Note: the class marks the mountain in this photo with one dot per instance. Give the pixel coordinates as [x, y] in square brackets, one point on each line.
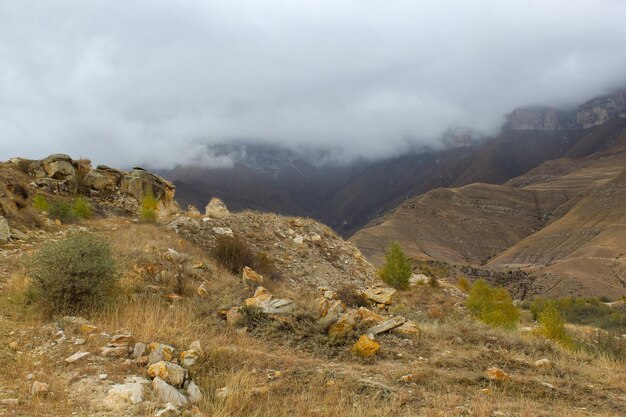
[563, 222]
[347, 197]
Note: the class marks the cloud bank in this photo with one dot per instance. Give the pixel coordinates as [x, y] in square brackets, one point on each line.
[154, 81]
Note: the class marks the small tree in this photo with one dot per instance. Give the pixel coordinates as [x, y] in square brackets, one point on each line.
[552, 325]
[73, 274]
[493, 306]
[148, 208]
[397, 268]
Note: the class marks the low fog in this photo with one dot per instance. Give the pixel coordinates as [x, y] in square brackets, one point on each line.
[154, 82]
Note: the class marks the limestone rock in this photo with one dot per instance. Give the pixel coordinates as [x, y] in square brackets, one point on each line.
[418, 279]
[170, 410]
[407, 329]
[193, 392]
[249, 274]
[386, 325]
[223, 231]
[542, 363]
[197, 347]
[140, 183]
[122, 395]
[189, 358]
[97, 180]
[193, 212]
[160, 352]
[380, 295]
[39, 389]
[59, 167]
[344, 325]
[167, 393]
[202, 290]
[138, 350]
[88, 329]
[365, 347]
[216, 208]
[266, 303]
[5, 230]
[77, 356]
[169, 372]
[368, 317]
[496, 374]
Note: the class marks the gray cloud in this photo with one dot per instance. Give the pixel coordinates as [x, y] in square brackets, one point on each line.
[154, 81]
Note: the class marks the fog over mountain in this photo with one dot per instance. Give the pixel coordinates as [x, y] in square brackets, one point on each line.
[155, 81]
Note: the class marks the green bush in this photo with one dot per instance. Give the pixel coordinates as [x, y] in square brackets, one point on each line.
[493, 306]
[62, 210]
[233, 254]
[552, 325]
[397, 268]
[41, 203]
[82, 208]
[587, 311]
[148, 208]
[72, 275]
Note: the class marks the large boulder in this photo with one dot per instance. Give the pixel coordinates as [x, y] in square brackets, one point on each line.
[216, 208]
[59, 166]
[98, 180]
[167, 393]
[140, 183]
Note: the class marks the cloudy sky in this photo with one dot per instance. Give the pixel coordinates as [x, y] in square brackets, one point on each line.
[153, 81]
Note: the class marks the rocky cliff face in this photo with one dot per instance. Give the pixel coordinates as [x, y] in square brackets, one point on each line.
[599, 110]
[535, 118]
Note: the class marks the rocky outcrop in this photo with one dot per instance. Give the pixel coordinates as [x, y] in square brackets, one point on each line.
[534, 118]
[599, 110]
[140, 183]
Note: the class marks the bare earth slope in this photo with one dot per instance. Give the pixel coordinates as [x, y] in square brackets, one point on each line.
[562, 222]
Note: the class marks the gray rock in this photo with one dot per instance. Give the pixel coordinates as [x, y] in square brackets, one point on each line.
[123, 395]
[194, 393]
[5, 230]
[167, 393]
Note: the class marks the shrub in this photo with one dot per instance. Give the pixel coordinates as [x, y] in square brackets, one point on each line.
[493, 306]
[73, 274]
[82, 208]
[464, 284]
[62, 210]
[351, 296]
[233, 254]
[41, 203]
[148, 208]
[397, 268]
[587, 311]
[551, 324]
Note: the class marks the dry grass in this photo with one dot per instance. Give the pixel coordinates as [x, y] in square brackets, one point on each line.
[448, 361]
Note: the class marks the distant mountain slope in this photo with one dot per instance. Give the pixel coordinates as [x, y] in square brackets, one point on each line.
[564, 221]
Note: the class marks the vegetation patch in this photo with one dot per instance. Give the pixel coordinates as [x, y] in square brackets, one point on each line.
[397, 268]
[491, 305]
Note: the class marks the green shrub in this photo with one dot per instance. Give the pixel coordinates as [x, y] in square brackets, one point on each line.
[148, 208]
[41, 203]
[587, 311]
[233, 254]
[552, 325]
[72, 275]
[397, 268]
[62, 210]
[493, 306]
[82, 208]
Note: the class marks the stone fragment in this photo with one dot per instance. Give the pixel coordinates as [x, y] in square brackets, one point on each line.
[542, 363]
[223, 231]
[380, 295]
[386, 325]
[160, 352]
[365, 347]
[167, 393]
[266, 303]
[197, 347]
[5, 230]
[344, 325]
[122, 395]
[103, 377]
[249, 274]
[193, 393]
[407, 329]
[114, 351]
[188, 358]
[496, 374]
[298, 239]
[202, 290]
[138, 350]
[14, 345]
[77, 356]
[39, 389]
[222, 393]
[170, 410]
[171, 373]
[418, 279]
[368, 317]
[216, 208]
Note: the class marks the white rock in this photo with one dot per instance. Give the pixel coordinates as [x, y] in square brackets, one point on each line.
[167, 393]
[102, 377]
[170, 410]
[222, 393]
[5, 230]
[216, 208]
[299, 239]
[39, 388]
[77, 356]
[123, 395]
[194, 393]
[79, 341]
[139, 350]
[223, 231]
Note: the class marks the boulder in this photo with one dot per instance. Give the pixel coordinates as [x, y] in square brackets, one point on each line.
[365, 347]
[407, 329]
[171, 373]
[216, 208]
[344, 325]
[138, 350]
[368, 317]
[96, 180]
[5, 230]
[266, 303]
[193, 392]
[380, 295]
[160, 352]
[59, 167]
[140, 183]
[122, 395]
[167, 393]
[251, 275]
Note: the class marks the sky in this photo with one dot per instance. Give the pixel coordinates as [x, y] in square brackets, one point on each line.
[154, 82]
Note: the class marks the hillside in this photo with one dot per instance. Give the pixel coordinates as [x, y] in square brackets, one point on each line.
[562, 222]
[315, 335]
